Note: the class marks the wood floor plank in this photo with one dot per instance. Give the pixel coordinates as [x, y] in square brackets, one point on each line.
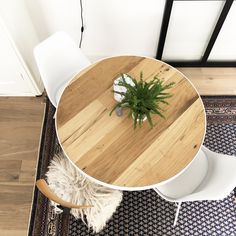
[15, 204]
[27, 171]
[18, 136]
[26, 155]
[10, 170]
[20, 126]
[212, 81]
[13, 232]
[16, 194]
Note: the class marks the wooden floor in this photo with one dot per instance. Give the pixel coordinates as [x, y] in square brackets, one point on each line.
[212, 81]
[20, 127]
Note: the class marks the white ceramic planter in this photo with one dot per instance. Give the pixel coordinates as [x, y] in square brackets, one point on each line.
[119, 88]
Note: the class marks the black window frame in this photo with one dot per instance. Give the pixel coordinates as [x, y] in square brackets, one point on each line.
[203, 62]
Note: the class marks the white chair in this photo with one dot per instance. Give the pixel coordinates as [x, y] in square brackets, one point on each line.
[211, 176]
[58, 59]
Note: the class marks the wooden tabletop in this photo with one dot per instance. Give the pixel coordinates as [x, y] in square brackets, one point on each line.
[107, 148]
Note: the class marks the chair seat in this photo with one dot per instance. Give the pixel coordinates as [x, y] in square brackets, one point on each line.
[186, 182]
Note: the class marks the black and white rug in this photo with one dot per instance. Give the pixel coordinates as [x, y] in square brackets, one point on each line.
[144, 212]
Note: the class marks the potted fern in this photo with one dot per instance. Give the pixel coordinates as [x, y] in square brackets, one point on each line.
[143, 98]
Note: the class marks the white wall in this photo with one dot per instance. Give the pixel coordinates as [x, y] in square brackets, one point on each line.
[111, 26]
[115, 27]
[132, 26]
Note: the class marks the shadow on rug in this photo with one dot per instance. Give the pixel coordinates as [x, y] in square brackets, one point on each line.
[144, 212]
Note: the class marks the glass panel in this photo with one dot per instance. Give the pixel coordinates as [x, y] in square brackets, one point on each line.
[190, 28]
[225, 45]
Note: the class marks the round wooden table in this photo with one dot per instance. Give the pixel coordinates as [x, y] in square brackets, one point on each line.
[107, 148]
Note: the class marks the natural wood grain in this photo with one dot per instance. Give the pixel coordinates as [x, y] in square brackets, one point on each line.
[15, 206]
[20, 125]
[145, 165]
[108, 148]
[212, 81]
[14, 232]
[27, 171]
[98, 82]
[9, 170]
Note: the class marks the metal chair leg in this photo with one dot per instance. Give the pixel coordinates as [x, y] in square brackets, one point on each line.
[177, 213]
[65, 210]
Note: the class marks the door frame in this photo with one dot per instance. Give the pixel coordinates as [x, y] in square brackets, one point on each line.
[36, 88]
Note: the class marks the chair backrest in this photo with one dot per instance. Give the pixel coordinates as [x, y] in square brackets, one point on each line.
[44, 189]
[58, 59]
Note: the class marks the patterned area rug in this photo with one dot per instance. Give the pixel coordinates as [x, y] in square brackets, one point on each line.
[144, 212]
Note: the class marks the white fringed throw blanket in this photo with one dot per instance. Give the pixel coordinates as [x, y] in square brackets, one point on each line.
[70, 185]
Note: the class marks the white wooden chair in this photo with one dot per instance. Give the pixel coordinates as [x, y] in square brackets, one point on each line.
[211, 176]
[58, 59]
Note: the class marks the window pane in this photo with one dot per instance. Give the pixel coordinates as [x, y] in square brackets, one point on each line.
[225, 45]
[190, 28]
